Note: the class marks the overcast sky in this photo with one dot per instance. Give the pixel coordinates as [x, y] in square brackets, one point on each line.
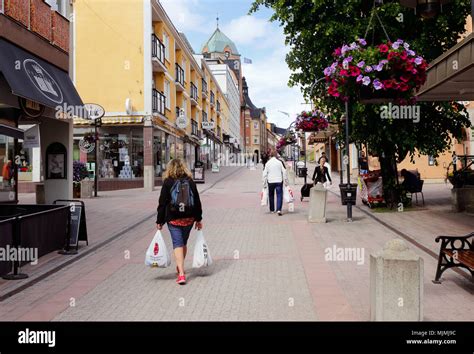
[256, 38]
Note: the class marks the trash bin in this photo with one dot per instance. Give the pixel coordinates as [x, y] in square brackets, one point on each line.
[348, 194]
[302, 172]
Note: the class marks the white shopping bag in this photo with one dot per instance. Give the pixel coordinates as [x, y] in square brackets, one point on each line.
[288, 194]
[291, 207]
[157, 254]
[264, 197]
[202, 257]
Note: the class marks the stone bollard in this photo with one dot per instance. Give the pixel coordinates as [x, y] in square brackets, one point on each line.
[291, 177]
[317, 204]
[87, 188]
[396, 283]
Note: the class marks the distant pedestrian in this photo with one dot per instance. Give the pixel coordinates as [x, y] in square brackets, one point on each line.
[179, 207]
[274, 175]
[321, 173]
[7, 172]
[264, 159]
[363, 164]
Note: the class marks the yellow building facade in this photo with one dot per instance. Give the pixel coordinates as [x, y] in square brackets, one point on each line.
[130, 59]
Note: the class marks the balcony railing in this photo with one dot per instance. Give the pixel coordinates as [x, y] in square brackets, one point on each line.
[204, 87]
[194, 128]
[194, 92]
[157, 48]
[179, 75]
[213, 98]
[158, 102]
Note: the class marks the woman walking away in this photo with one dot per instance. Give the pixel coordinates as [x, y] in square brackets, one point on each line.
[275, 175]
[179, 207]
[321, 172]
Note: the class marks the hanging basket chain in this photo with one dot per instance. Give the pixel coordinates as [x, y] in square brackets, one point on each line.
[374, 12]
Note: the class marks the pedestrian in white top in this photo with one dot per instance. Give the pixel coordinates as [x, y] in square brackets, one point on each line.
[274, 175]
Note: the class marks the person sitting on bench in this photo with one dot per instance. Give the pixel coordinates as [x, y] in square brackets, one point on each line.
[410, 180]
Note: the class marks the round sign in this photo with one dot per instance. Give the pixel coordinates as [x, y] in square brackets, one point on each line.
[94, 111]
[181, 122]
[11, 196]
[43, 81]
[85, 146]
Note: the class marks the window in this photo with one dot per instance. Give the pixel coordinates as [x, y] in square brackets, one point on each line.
[168, 94]
[255, 140]
[255, 125]
[185, 107]
[183, 62]
[166, 42]
[247, 140]
[431, 160]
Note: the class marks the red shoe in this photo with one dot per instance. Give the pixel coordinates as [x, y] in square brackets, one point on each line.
[181, 280]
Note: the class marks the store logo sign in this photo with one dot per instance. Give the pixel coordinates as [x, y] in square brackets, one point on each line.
[94, 111]
[43, 81]
[86, 146]
[208, 125]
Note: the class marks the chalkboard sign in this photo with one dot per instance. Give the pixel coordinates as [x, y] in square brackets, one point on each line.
[78, 221]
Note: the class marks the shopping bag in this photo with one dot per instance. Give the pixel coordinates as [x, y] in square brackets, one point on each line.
[291, 207]
[202, 257]
[264, 197]
[288, 195]
[157, 254]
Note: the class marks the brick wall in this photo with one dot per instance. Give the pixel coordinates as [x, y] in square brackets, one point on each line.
[18, 10]
[60, 31]
[37, 16]
[40, 18]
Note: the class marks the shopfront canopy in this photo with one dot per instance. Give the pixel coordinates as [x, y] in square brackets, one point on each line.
[35, 79]
[11, 132]
[451, 76]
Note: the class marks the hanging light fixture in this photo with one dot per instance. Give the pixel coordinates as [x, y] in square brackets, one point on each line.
[426, 8]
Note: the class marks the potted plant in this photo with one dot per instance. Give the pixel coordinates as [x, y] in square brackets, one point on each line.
[312, 121]
[385, 72]
[79, 173]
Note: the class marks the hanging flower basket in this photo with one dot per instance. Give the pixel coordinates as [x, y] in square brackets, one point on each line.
[288, 139]
[89, 137]
[387, 72]
[312, 121]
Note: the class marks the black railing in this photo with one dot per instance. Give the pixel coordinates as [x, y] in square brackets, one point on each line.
[157, 48]
[179, 75]
[158, 102]
[194, 128]
[213, 97]
[194, 92]
[204, 86]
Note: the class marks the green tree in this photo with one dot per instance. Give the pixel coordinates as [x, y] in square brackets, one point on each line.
[315, 28]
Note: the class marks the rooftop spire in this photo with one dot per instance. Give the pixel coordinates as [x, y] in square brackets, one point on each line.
[217, 19]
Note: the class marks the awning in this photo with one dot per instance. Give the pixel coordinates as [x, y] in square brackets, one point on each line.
[12, 132]
[451, 76]
[35, 79]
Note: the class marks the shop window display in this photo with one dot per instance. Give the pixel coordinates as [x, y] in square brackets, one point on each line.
[7, 178]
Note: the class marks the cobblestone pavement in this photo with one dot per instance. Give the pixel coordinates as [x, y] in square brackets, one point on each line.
[266, 268]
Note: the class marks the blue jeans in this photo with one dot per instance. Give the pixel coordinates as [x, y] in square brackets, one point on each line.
[179, 235]
[278, 187]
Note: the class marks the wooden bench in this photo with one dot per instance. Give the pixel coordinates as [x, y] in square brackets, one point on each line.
[455, 251]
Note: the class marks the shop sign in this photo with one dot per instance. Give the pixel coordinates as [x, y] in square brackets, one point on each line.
[32, 138]
[43, 81]
[85, 146]
[208, 125]
[94, 111]
[30, 108]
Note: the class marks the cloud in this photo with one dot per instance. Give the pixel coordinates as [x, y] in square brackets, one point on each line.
[184, 16]
[247, 30]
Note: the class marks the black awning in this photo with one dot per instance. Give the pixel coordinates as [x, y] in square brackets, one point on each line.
[12, 132]
[35, 79]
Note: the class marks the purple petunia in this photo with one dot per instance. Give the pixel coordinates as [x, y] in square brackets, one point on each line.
[360, 64]
[328, 71]
[359, 78]
[345, 48]
[378, 67]
[418, 60]
[411, 52]
[362, 41]
[368, 69]
[366, 80]
[377, 84]
[396, 45]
